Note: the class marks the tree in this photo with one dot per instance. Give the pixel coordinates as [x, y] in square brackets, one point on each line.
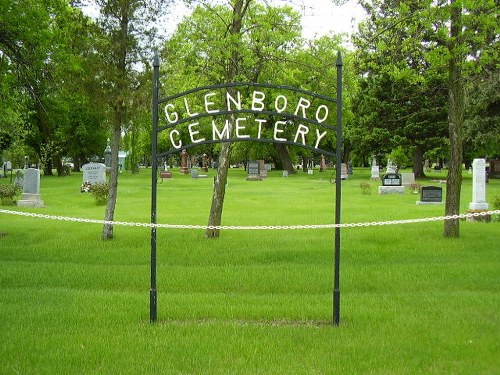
[401, 101]
[453, 39]
[217, 44]
[126, 24]
[46, 60]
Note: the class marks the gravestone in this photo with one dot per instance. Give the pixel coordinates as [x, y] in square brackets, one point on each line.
[344, 172]
[478, 185]
[431, 195]
[262, 169]
[391, 168]
[31, 189]
[391, 184]
[407, 179]
[19, 181]
[253, 171]
[196, 174]
[7, 166]
[322, 164]
[184, 162]
[204, 163]
[375, 170]
[494, 169]
[391, 179]
[426, 165]
[94, 173]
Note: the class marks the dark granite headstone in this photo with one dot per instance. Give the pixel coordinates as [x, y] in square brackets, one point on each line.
[431, 194]
[391, 179]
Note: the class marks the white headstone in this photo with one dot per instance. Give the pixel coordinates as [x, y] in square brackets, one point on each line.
[344, 172]
[391, 168]
[95, 173]
[478, 185]
[375, 172]
[408, 178]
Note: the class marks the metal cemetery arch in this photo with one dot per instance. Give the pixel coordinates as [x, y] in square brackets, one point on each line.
[173, 118]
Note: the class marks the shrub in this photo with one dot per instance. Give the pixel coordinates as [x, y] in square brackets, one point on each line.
[366, 188]
[8, 193]
[495, 205]
[100, 192]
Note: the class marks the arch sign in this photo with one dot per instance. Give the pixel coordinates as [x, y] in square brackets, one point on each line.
[238, 112]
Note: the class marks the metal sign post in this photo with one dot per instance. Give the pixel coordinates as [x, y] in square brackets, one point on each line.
[296, 117]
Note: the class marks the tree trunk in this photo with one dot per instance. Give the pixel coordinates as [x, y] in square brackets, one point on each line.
[239, 9]
[119, 116]
[456, 121]
[215, 217]
[285, 158]
[107, 231]
[418, 162]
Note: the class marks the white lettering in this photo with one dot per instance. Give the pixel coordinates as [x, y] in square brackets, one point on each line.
[302, 104]
[322, 119]
[193, 132]
[260, 121]
[208, 104]
[302, 130]
[188, 111]
[276, 105]
[240, 127]
[175, 116]
[176, 145]
[236, 102]
[320, 136]
[258, 101]
[224, 134]
[277, 130]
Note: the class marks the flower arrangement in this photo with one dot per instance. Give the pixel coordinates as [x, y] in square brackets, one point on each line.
[85, 188]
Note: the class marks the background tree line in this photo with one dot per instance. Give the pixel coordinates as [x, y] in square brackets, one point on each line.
[421, 78]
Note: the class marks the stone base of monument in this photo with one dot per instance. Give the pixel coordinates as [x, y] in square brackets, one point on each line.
[425, 203]
[30, 200]
[482, 218]
[254, 177]
[391, 190]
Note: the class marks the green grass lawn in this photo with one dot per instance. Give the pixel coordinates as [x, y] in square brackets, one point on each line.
[249, 302]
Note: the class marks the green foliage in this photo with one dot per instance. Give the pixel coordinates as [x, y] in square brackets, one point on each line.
[100, 192]
[495, 205]
[8, 193]
[401, 157]
[366, 188]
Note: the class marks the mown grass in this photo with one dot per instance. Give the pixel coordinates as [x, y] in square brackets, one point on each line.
[250, 302]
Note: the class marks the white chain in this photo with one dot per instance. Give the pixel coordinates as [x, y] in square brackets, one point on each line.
[248, 227]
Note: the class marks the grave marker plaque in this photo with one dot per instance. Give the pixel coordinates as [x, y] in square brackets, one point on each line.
[494, 169]
[431, 194]
[391, 179]
[253, 171]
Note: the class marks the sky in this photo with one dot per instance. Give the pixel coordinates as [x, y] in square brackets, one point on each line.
[319, 17]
